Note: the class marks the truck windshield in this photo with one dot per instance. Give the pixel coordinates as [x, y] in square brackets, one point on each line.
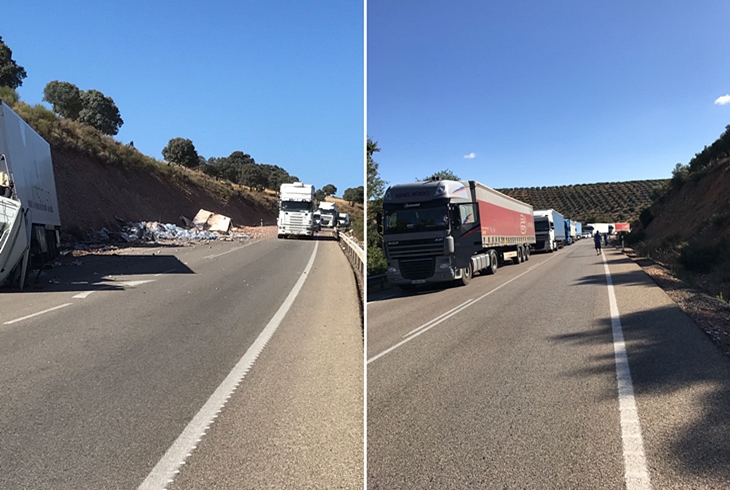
[296, 205]
[327, 211]
[542, 225]
[416, 219]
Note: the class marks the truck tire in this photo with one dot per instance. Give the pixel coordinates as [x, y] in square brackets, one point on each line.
[465, 276]
[492, 262]
[527, 253]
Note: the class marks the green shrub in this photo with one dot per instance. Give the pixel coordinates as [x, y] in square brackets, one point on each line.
[376, 261]
[700, 257]
[645, 217]
[718, 219]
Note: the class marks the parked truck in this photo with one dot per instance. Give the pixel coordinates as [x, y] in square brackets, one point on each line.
[578, 230]
[328, 210]
[29, 219]
[604, 228]
[343, 221]
[296, 210]
[440, 231]
[570, 231]
[549, 230]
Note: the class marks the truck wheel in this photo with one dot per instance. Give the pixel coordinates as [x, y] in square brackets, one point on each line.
[552, 247]
[527, 253]
[465, 276]
[492, 262]
[517, 259]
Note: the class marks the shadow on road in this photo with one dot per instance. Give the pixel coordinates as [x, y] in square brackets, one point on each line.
[99, 272]
[670, 356]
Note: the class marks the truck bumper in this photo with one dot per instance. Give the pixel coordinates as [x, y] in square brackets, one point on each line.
[402, 271]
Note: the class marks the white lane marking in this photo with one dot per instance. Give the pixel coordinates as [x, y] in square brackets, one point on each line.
[428, 326]
[437, 318]
[84, 295]
[135, 283]
[213, 256]
[166, 272]
[636, 473]
[36, 314]
[164, 471]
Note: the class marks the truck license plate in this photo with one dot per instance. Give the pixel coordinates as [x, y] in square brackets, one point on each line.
[418, 281]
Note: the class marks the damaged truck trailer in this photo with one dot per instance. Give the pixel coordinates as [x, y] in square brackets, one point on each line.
[29, 217]
[442, 231]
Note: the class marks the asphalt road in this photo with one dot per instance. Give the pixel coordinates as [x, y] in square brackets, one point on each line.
[106, 370]
[511, 383]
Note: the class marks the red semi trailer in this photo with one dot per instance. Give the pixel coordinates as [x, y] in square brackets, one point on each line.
[438, 231]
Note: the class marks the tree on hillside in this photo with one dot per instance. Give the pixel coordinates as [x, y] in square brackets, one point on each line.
[376, 185]
[9, 95]
[442, 175]
[278, 177]
[100, 112]
[375, 189]
[354, 195]
[11, 74]
[240, 158]
[181, 151]
[319, 195]
[65, 98]
[329, 189]
[254, 177]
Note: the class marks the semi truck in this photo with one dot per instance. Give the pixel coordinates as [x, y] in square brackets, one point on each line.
[578, 230]
[343, 221]
[328, 211]
[445, 231]
[570, 231]
[604, 228]
[296, 210]
[29, 218]
[549, 230]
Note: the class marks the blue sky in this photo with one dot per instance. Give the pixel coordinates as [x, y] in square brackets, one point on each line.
[535, 93]
[281, 80]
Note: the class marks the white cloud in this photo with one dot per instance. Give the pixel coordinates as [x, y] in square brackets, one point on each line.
[471, 155]
[722, 100]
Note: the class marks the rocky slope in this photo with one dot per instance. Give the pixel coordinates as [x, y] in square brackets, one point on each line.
[92, 194]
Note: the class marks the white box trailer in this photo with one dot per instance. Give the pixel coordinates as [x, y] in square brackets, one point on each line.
[296, 210]
[29, 216]
[549, 230]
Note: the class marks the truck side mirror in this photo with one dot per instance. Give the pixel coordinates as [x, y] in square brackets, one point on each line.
[455, 218]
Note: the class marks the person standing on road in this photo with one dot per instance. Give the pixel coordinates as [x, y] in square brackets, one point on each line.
[597, 241]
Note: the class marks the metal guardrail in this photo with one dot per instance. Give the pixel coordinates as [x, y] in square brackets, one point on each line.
[354, 252]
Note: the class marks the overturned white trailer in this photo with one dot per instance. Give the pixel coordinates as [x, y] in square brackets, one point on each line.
[29, 217]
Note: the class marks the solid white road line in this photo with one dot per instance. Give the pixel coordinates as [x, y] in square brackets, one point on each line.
[164, 472]
[636, 473]
[36, 314]
[445, 316]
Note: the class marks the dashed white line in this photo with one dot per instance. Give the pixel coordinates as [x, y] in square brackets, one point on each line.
[36, 314]
[164, 471]
[636, 473]
[445, 316]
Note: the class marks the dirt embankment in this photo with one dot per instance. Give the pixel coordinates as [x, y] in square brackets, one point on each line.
[92, 194]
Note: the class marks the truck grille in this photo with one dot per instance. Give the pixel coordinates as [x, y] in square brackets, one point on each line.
[417, 268]
[403, 249]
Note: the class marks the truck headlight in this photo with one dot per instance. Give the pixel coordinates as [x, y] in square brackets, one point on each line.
[392, 270]
[445, 265]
